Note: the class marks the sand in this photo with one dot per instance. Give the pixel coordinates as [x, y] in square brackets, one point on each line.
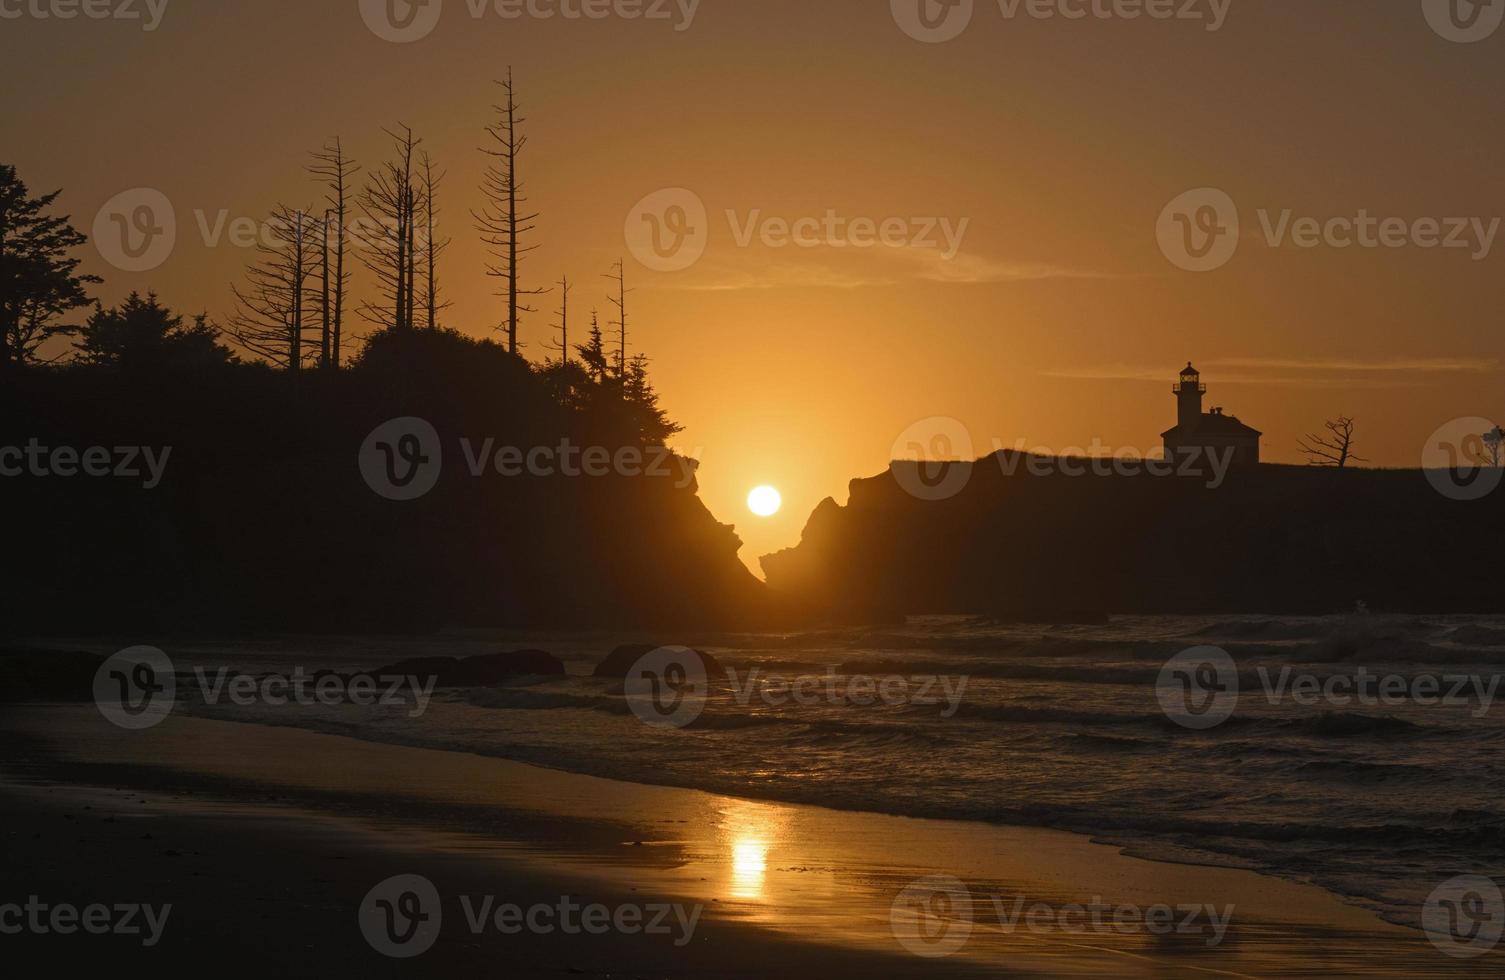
[267, 840]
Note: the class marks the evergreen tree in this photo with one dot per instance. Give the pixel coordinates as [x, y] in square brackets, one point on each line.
[142, 333]
[39, 281]
[593, 352]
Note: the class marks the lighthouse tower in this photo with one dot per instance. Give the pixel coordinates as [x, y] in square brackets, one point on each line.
[1189, 394]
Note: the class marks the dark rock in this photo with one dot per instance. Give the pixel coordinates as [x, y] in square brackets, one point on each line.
[47, 675]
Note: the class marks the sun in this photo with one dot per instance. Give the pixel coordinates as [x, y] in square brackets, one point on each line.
[764, 501]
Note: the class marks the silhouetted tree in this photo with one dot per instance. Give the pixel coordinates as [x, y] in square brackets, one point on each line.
[653, 425]
[432, 246]
[1494, 441]
[144, 334]
[331, 166]
[39, 281]
[273, 316]
[501, 226]
[563, 326]
[390, 205]
[618, 275]
[593, 352]
[1335, 448]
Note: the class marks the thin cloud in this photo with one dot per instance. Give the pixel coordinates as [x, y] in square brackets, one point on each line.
[1426, 365]
[966, 268]
[1392, 373]
[883, 266]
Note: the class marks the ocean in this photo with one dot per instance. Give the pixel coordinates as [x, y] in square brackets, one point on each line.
[1357, 752]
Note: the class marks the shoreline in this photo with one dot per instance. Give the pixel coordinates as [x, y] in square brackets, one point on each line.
[795, 881]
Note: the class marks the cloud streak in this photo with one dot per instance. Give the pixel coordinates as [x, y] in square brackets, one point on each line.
[1354, 373]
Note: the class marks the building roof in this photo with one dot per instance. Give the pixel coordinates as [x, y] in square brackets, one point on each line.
[1215, 424]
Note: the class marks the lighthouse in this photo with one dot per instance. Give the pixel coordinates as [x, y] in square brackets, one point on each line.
[1198, 432]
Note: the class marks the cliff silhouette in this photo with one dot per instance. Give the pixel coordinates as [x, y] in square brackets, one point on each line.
[1049, 546]
[261, 519]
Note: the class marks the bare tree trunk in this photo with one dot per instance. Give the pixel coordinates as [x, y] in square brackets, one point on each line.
[331, 167]
[618, 275]
[501, 225]
[324, 334]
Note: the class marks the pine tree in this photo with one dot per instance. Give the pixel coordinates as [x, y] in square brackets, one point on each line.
[593, 352]
[39, 281]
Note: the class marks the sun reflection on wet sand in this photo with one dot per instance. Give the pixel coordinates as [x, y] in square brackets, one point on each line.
[749, 831]
[749, 863]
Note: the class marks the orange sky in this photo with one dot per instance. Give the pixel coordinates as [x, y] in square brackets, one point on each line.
[1058, 142]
